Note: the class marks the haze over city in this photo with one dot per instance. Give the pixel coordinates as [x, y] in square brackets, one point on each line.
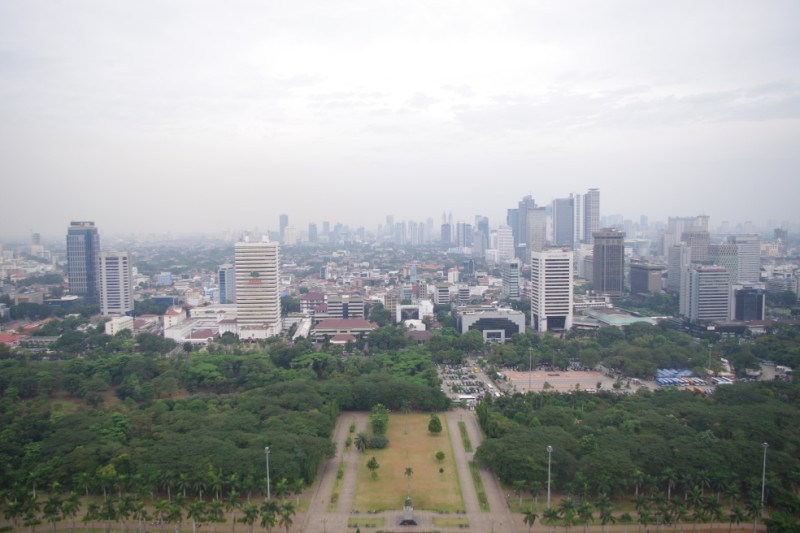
[189, 117]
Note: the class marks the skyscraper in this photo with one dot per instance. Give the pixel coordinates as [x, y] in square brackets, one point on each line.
[679, 257]
[537, 229]
[609, 261]
[283, 221]
[227, 284]
[83, 250]
[705, 293]
[591, 214]
[511, 279]
[312, 232]
[551, 290]
[258, 302]
[115, 283]
[563, 222]
[505, 243]
[748, 252]
[698, 240]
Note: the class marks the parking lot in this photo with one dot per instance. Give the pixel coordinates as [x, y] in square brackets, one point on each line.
[460, 381]
[562, 380]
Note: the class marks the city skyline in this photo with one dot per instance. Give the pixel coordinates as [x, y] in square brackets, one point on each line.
[203, 117]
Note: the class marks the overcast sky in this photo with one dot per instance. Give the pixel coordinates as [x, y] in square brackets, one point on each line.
[156, 116]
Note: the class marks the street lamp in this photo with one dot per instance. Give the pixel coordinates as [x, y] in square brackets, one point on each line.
[266, 452]
[763, 477]
[530, 367]
[549, 457]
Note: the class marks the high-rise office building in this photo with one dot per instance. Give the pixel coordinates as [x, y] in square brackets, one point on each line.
[83, 251]
[645, 278]
[551, 290]
[283, 221]
[679, 257]
[705, 293]
[609, 261]
[505, 243]
[748, 249]
[564, 222]
[258, 302]
[312, 232]
[698, 240]
[577, 218]
[591, 214]
[536, 220]
[115, 283]
[521, 231]
[726, 255]
[227, 284]
[748, 301]
[512, 275]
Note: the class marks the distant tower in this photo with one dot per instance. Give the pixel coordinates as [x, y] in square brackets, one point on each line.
[698, 240]
[705, 293]
[748, 251]
[551, 290]
[283, 221]
[258, 302]
[227, 284]
[312, 232]
[564, 222]
[591, 214]
[83, 251]
[537, 229]
[609, 261]
[115, 283]
[505, 243]
[511, 279]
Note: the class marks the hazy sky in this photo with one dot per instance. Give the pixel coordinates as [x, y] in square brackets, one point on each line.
[156, 116]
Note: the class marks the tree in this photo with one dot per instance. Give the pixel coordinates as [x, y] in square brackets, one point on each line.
[550, 517]
[71, 507]
[585, 513]
[408, 473]
[297, 488]
[197, 512]
[519, 487]
[530, 518]
[373, 466]
[439, 456]
[282, 488]
[269, 514]
[249, 515]
[435, 425]
[287, 513]
[360, 441]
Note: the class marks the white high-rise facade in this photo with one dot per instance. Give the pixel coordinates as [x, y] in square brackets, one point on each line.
[551, 290]
[705, 293]
[115, 285]
[258, 301]
[591, 214]
[227, 284]
[748, 249]
[505, 243]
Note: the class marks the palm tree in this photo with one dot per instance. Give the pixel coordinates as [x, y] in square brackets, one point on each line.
[287, 513]
[108, 510]
[282, 488]
[183, 483]
[626, 519]
[519, 488]
[736, 515]
[161, 508]
[215, 512]
[644, 519]
[638, 478]
[269, 514]
[215, 481]
[52, 509]
[249, 515]
[530, 518]
[199, 485]
[360, 441]
[92, 513]
[196, 512]
[83, 480]
[408, 473]
[671, 477]
[567, 511]
[124, 509]
[232, 505]
[585, 513]
[71, 507]
[550, 517]
[139, 513]
[297, 487]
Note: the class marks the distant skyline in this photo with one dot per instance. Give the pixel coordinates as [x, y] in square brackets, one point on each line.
[191, 117]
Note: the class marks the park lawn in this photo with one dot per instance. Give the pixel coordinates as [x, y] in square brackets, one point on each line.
[410, 445]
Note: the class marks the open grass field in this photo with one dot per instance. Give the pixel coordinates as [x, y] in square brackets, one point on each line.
[410, 445]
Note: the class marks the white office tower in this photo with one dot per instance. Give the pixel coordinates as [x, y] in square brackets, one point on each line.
[577, 214]
[726, 255]
[551, 290]
[511, 279]
[705, 293]
[505, 243]
[591, 214]
[537, 229]
[258, 301]
[115, 283]
[749, 255]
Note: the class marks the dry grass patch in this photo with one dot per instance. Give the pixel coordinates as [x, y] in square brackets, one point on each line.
[410, 445]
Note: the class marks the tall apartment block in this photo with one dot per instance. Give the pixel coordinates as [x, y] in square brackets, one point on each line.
[83, 251]
[258, 302]
[115, 283]
[551, 290]
[591, 214]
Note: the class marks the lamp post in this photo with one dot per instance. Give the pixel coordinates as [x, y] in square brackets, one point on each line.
[549, 457]
[530, 367]
[266, 453]
[763, 477]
